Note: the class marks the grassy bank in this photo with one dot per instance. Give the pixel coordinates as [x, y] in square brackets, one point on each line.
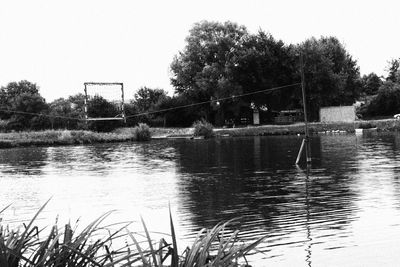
[60, 137]
[115, 245]
[314, 128]
[72, 137]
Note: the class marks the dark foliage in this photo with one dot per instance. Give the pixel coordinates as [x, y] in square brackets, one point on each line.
[98, 107]
[385, 103]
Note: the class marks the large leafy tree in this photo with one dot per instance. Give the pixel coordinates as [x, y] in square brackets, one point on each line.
[204, 69]
[11, 91]
[148, 100]
[264, 63]
[28, 108]
[332, 75]
[25, 105]
[145, 99]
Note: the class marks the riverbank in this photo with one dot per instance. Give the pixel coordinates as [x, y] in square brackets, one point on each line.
[387, 125]
[73, 137]
[62, 137]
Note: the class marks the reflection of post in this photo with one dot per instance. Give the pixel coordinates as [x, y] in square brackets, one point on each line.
[309, 239]
[257, 152]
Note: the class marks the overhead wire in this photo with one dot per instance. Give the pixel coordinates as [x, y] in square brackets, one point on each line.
[157, 111]
[41, 114]
[213, 100]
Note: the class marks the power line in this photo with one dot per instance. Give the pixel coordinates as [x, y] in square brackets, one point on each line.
[157, 111]
[41, 114]
[214, 100]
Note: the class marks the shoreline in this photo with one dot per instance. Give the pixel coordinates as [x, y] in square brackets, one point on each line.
[81, 137]
[315, 128]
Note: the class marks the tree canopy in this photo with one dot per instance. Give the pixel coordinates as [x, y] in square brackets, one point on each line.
[224, 60]
[370, 84]
[331, 74]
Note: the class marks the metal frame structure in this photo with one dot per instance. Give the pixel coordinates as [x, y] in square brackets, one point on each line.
[119, 116]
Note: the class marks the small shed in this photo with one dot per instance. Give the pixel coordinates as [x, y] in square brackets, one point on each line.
[337, 114]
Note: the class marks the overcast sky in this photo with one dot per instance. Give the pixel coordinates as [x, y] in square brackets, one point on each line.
[61, 44]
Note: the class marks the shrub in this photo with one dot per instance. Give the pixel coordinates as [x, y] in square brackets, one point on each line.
[203, 128]
[385, 103]
[142, 132]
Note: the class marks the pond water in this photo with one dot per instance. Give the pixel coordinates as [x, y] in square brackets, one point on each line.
[343, 211]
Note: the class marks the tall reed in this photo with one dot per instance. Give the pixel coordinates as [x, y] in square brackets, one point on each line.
[95, 246]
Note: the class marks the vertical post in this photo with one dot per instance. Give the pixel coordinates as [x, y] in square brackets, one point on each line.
[300, 151]
[123, 103]
[85, 106]
[307, 140]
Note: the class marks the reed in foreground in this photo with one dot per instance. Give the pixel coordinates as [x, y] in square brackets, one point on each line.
[95, 246]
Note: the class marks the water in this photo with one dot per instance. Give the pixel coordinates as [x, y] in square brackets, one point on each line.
[345, 211]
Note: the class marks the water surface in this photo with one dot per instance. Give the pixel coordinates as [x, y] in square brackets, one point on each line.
[344, 211]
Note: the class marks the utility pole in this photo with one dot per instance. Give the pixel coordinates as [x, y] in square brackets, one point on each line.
[306, 141]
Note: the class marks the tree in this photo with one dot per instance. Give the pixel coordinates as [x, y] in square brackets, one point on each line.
[386, 102]
[65, 114]
[394, 71]
[265, 63]
[12, 90]
[98, 107]
[332, 76]
[203, 70]
[370, 84]
[223, 61]
[147, 100]
[27, 108]
[179, 112]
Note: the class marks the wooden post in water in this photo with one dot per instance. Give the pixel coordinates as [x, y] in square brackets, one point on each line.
[306, 140]
[299, 154]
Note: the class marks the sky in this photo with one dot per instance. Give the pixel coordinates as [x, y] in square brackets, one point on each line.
[59, 45]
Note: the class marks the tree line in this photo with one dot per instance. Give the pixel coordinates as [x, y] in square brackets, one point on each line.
[222, 61]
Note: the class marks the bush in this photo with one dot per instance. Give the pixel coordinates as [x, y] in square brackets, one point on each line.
[203, 128]
[385, 103]
[142, 132]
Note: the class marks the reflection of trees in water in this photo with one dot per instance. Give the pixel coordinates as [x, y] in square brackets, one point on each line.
[225, 178]
[107, 158]
[27, 161]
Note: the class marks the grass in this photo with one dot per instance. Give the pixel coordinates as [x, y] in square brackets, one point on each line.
[95, 246]
[314, 128]
[70, 137]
